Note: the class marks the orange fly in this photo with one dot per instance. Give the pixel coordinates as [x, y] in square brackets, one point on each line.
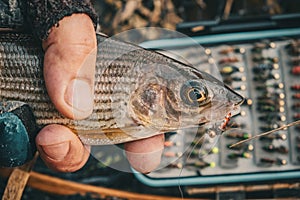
[225, 121]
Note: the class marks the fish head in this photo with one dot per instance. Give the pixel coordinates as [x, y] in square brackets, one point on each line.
[173, 96]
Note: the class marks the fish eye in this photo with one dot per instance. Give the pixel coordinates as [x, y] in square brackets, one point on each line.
[194, 94]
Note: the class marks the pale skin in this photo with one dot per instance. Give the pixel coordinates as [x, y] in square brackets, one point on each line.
[70, 55]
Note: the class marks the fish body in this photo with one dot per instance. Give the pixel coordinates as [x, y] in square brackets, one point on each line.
[138, 93]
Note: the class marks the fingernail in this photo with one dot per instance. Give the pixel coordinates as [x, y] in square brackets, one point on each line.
[56, 151]
[144, 162]
[79, 95]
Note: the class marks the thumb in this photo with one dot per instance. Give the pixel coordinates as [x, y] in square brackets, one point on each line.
[69, 65]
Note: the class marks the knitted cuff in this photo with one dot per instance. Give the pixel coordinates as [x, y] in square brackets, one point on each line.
[44, 14]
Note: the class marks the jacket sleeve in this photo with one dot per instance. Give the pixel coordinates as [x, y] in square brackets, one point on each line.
[11, 14]
[43, 14]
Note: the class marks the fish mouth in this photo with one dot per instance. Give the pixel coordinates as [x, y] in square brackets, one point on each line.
[221, 108]
[235, 98]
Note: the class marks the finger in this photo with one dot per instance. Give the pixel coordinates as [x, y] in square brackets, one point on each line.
[145, 155]
[61, 149]
[69, 65]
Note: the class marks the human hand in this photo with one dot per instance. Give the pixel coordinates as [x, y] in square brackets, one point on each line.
[69, 67]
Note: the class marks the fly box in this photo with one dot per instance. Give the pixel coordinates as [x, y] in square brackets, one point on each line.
[259, 57]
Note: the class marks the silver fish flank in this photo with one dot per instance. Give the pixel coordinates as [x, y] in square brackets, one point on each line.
[138, 93]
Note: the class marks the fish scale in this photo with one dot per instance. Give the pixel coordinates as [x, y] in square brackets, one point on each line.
[22, 80]
[120, 71]
[21, 65]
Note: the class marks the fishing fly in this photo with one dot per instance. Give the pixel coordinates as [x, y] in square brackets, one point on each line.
[225, 121]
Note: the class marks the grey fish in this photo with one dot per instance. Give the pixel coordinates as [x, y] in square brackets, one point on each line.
[138, 93]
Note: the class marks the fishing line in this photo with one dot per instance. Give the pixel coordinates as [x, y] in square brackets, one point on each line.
[266, 133]
[188, 156]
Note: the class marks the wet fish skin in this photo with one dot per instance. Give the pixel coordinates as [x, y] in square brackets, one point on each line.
[138, 93]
